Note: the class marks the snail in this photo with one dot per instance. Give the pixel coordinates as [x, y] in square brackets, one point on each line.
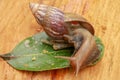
[68, 30]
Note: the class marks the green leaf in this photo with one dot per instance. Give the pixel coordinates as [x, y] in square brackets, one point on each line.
[33, 55]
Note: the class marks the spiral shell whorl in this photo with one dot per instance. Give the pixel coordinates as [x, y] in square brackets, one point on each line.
[51, 19]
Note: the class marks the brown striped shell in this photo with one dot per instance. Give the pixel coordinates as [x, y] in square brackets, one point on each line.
[54, 20]
[77, 19]
[51, 19]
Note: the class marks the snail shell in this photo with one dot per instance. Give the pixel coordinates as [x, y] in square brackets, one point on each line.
[77, 19]
[55, 21]
[51, 18]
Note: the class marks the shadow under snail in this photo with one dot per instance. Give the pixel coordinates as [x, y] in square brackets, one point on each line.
[67, 30]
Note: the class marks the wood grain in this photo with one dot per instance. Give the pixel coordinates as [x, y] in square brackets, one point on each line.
[17, 23]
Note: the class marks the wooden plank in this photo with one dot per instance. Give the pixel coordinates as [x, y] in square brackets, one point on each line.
[17, 23]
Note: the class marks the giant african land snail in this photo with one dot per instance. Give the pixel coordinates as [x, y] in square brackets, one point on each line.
[67, 30]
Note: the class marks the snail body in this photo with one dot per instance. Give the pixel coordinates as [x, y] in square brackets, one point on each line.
[68, 30]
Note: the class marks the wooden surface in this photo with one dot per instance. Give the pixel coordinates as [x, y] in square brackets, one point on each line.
[17, 23]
